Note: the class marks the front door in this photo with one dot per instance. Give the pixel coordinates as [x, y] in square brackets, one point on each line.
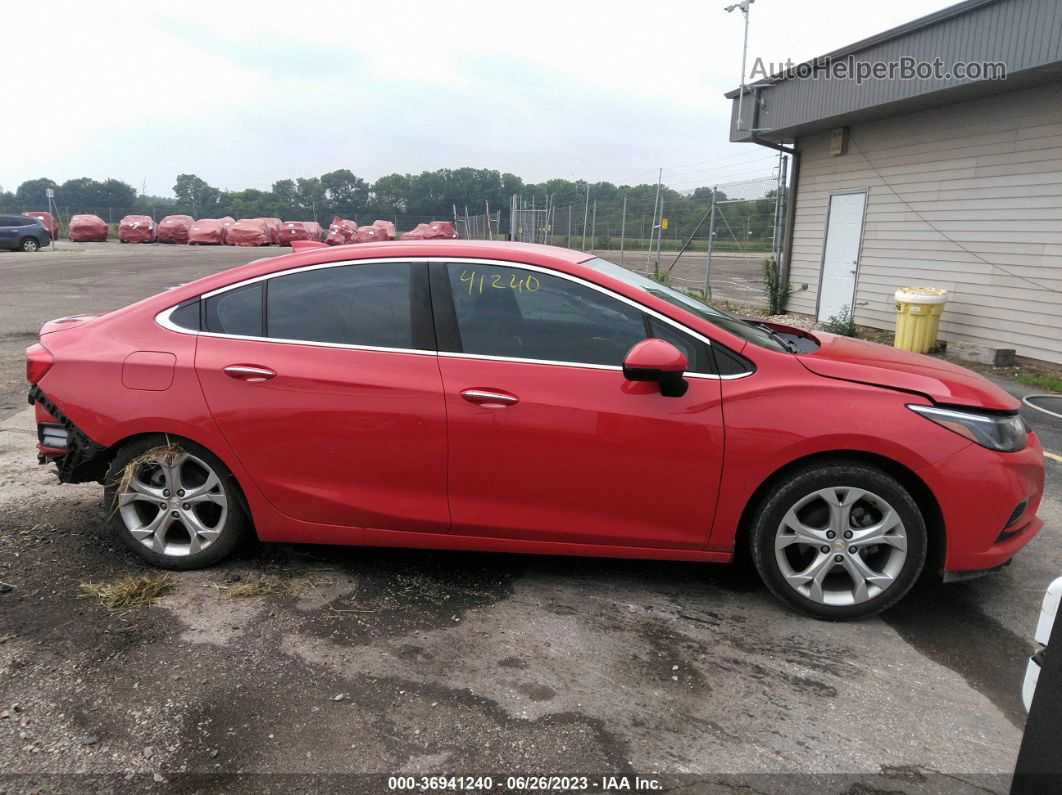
[547, 440]
[840, 260]
[325, 388]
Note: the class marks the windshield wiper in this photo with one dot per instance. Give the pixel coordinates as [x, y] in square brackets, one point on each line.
[774, 335]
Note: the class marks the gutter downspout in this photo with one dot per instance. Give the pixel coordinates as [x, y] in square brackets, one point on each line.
[790, 210]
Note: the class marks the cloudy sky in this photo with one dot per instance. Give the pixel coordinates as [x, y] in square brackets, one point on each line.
[243, 95]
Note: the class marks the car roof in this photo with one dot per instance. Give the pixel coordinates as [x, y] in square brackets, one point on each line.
[452, 248]
[563, 259]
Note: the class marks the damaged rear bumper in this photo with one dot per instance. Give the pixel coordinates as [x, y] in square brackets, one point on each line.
[77, 458]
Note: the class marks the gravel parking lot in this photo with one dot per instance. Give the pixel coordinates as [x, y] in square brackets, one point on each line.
[381, 661]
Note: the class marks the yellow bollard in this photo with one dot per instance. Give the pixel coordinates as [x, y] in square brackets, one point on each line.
[918, 317]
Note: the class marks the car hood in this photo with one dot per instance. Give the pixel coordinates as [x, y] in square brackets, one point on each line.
[879, 365]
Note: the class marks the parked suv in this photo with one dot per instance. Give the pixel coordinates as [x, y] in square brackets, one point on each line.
[22, 233]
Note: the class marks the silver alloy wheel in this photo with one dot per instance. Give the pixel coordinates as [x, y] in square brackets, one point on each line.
[30, 246]
[175, 505]
[841, 546]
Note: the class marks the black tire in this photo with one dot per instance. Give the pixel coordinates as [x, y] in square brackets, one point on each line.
[29, 245]
[232, 524]
[803, 485]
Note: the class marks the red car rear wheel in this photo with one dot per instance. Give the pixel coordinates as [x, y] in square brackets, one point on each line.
[173, 502]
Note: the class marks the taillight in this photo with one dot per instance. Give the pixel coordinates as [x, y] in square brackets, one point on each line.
[38, 362]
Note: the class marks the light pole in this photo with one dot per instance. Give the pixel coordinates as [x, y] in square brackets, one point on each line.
[743, 6]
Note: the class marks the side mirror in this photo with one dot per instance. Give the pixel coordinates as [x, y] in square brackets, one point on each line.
[660, 361]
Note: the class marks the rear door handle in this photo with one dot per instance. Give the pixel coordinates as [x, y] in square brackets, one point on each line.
[249, 372]
[489, 397]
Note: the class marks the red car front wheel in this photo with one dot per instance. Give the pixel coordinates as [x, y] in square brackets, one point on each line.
[840, 541]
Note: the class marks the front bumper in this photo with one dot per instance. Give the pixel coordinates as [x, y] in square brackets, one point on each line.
[979, 491]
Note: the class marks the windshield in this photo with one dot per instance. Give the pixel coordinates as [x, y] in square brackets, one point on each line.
[739, 328]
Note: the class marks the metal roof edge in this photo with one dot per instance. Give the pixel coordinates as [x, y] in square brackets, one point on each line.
[928, 20]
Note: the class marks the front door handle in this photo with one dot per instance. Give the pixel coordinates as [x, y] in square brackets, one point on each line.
[489, 398]
[249, 372]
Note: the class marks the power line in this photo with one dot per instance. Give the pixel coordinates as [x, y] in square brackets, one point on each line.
[754, 158]
[944, 235]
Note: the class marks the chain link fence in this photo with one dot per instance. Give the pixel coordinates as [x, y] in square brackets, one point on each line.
[736, 225]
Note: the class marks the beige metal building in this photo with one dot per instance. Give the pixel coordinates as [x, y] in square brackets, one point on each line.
[935, 181]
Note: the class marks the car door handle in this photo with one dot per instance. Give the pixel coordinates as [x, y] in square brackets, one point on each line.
[249, 372]
[489, 398]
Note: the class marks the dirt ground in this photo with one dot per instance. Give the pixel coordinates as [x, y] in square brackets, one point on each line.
[396, 661]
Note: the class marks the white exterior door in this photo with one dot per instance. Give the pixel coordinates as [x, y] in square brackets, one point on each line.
[841, 256]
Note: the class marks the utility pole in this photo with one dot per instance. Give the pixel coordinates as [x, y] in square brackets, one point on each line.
[743, 6]
[656, 202]
[711, 238]
[568, 240]
[586, 215]
[779, 204]
[593, 228]
[660, 233]
[623, 227]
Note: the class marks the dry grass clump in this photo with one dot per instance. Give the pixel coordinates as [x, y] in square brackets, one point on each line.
[163, 455]
[129, 593]
[258, 587]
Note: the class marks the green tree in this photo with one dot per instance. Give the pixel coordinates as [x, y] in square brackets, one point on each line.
[30, 195]
[309, 196]
[345, 193]
[285, 198]
[391, 194]
[117, 194]
[78, 195]
[248, 203]
[195, 196]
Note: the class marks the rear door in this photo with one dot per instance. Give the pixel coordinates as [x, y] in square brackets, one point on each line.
[8, 233]
[548, 440]
[326, 384]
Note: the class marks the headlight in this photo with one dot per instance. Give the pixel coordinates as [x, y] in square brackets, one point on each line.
[1007, 433]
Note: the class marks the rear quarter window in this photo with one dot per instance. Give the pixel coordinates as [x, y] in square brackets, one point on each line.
[236, 311]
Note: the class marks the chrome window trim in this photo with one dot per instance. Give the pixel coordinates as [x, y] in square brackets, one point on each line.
[578, 280]
[307, 268]
[163, 317]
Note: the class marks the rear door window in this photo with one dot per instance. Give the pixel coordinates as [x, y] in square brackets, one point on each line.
[352, 305]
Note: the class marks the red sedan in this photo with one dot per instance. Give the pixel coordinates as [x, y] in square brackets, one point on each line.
[493, 396]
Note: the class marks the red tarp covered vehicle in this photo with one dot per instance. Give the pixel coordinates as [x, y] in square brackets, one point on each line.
[341, 232]
[88, 229]
[249, 232]
[370, 234]
[175, 228]
[226, 222]
[206, 232]
[273, 225]
[49, 223]
[299, 230]
[136, 229]
[387, 227]
[436, 230]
